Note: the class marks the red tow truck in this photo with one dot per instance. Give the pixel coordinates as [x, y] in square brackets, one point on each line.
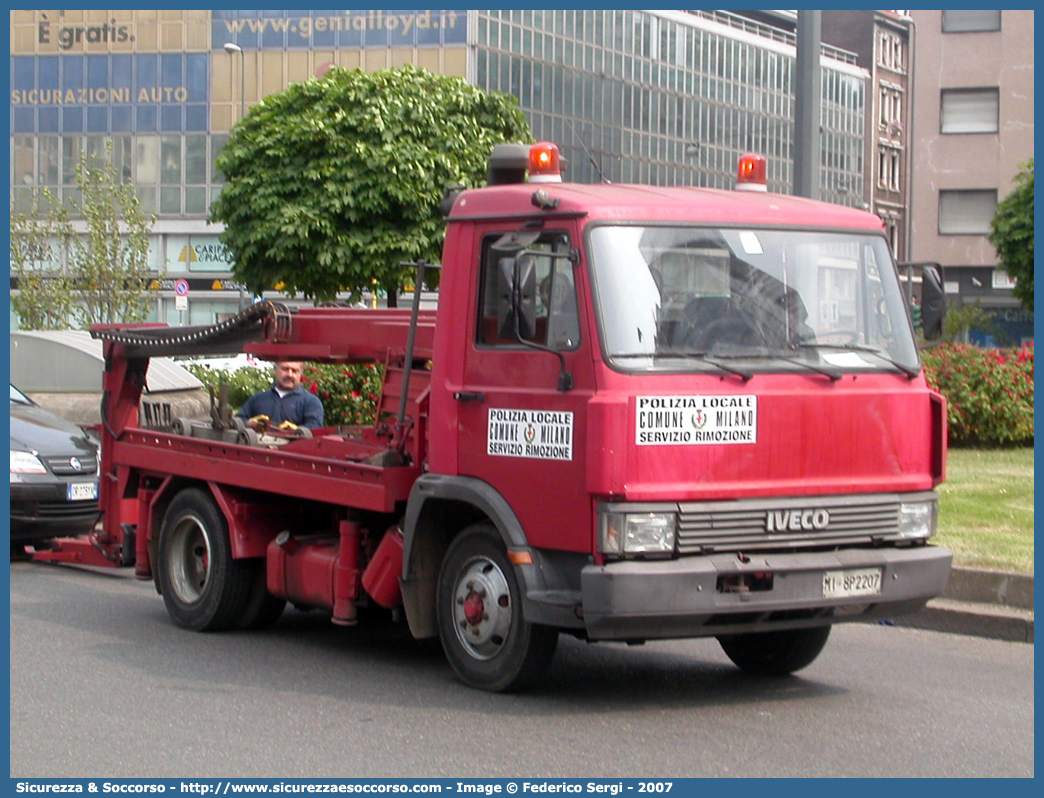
[637, 413]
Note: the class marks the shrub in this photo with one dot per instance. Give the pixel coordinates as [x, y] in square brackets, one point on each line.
[242, 383]
[349, 393]
[989, 392]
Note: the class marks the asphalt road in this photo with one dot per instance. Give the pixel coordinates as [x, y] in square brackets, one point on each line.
[104, 685]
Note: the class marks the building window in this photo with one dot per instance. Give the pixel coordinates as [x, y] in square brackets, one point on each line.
[891, 226]
[891, 119]
[970, 21]
[173, 175]
[966, 212]
[889, 167]
[890, 52]
[970, 110]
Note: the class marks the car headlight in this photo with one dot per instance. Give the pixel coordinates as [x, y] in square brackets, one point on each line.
[917, 520]
[26, 463]
[638, 534]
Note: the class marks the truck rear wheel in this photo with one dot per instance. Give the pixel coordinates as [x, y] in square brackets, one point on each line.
[775, 653]
[204, 588]
[488, 643]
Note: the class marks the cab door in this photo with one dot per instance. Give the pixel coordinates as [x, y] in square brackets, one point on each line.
[526, 381]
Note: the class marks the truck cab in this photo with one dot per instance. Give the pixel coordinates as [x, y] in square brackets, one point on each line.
[674, 412]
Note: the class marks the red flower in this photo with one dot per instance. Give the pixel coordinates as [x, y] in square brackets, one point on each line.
[314, 387]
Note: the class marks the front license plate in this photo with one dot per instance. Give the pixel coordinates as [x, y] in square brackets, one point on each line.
[856, 582]
[80, 491]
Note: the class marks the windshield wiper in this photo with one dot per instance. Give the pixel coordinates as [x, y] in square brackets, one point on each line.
[909, 371]
[667, 353]
[832, 373]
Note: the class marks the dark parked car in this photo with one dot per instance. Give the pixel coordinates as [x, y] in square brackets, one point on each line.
[54, 476]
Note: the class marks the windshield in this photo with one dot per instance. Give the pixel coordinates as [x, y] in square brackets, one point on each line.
[673, 298]
[19, 397]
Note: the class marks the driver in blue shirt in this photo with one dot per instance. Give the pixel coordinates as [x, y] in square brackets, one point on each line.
[286, 405]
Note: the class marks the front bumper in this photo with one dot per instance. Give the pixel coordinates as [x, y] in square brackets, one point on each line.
[639, 600]
[42, 511]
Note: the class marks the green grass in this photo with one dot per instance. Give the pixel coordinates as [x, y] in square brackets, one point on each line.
[986, 508]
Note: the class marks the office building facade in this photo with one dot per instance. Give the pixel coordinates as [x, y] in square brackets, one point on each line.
[631, 96]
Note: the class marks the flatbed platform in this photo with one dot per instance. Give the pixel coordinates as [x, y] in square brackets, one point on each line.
[324, 468]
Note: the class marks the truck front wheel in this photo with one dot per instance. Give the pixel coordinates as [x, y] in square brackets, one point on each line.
[204, 588]
[775, 653]
[488, 643]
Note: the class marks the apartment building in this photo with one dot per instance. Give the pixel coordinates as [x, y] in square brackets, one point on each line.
[971, 128]
[881, 42]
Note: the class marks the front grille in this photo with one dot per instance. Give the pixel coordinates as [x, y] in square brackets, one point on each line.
[61, 464]
[708, 527]
[57, 511]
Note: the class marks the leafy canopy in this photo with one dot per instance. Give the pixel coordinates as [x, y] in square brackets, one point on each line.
[1012, 234]
[334, 182]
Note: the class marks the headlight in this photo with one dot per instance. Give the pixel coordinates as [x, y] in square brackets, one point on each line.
[916, 520]
[632, 534]
[26, 463]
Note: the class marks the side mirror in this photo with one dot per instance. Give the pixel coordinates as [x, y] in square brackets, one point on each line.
[933, 302]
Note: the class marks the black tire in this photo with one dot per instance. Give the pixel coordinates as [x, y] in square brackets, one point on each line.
[203, 587]
[775, 653]
[262, 608]
[488, 643]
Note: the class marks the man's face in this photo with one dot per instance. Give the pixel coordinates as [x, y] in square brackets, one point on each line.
[288, 375]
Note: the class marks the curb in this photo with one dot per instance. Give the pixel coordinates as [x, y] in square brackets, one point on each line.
[984, 586]
[982, 603]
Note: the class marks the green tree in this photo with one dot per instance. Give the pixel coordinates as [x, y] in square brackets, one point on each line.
[960, 320]
[1012, 234]
[334, 182]
[99, 275]
[44, 300]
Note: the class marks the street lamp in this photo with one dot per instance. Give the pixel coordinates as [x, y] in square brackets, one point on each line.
[230, 48]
